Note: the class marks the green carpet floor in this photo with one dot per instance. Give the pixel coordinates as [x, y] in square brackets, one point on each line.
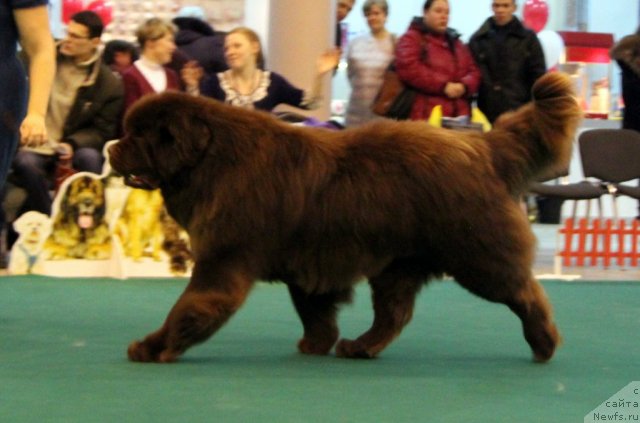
[63, 342]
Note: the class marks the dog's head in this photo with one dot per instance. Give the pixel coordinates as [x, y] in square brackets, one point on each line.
[164, 133]
[84, 201]
[34, 228]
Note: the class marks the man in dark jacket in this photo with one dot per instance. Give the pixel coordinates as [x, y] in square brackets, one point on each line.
[84, 110]
[197, 40]
[627, 54]
[510, 59]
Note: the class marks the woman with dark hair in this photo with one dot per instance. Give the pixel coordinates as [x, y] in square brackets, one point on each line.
[197, 40]
[431, 58]
[627, 54]
[248, 84]
[119, 55]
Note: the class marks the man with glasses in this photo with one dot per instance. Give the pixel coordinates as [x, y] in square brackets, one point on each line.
[84, 110]
[510, 59]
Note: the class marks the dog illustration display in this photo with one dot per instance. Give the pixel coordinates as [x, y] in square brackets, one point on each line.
[397, 203]
[26, 255]
[146, 229]
[139, 226]
[80, 230]
[176, 244]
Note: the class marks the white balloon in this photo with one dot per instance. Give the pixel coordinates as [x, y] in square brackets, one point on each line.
[552, 46]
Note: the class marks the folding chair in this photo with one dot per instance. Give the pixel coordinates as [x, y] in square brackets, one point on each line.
[614, 158]
[587, 189]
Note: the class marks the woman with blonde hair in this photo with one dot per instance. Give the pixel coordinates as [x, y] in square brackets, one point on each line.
[248, 84]
[149, 74]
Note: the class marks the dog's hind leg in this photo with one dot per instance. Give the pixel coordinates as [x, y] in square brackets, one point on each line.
[532, 306]
[527, 299]
[393, 301]
[318, 314]
[211, 298]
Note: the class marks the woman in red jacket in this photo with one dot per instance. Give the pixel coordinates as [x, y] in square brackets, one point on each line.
[431, 58]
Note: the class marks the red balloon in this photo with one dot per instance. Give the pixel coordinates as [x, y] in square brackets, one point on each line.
[70, 8]
[102, 9]
[536, 14]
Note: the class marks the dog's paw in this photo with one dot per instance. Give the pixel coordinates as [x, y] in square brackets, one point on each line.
[138, 351]
[98, 252]
[352, 349]
[143, 353]
[544, 344]
[54, 254]
[306, 346]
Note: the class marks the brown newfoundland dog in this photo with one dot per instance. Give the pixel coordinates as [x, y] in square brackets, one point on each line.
[397, 203]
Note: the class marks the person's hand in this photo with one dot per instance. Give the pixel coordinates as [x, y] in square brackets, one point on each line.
[454, 89]
[328, 61]
[64, 151]
[191, 74]
[33, 131]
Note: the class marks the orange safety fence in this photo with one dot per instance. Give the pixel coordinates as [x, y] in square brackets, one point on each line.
[606, 240]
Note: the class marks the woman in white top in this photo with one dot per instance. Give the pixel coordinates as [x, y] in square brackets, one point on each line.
[368, 56]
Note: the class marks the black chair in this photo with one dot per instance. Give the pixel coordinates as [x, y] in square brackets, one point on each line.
[629, 191]
[584, 190]
[618, 161]
[609, 157]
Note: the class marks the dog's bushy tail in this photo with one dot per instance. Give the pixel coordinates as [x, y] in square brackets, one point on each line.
[535, 141]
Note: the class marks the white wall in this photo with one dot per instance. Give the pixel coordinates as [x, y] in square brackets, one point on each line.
[256, 17]
[621, 19]
[295, 58]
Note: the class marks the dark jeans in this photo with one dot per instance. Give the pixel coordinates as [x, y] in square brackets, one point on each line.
[35, 173]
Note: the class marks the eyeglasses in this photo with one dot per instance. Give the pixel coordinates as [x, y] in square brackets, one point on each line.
[77, 37]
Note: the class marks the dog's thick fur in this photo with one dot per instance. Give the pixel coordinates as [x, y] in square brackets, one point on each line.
[80, 230]
[396, 202]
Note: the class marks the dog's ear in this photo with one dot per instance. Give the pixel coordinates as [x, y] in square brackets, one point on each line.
[192, 136]
[65, 208]
[19, 225]
[100, 185]
[181, 142]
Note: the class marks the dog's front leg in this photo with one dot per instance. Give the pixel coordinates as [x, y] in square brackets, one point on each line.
[393, 301]
[318, 314]
[211, 298]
